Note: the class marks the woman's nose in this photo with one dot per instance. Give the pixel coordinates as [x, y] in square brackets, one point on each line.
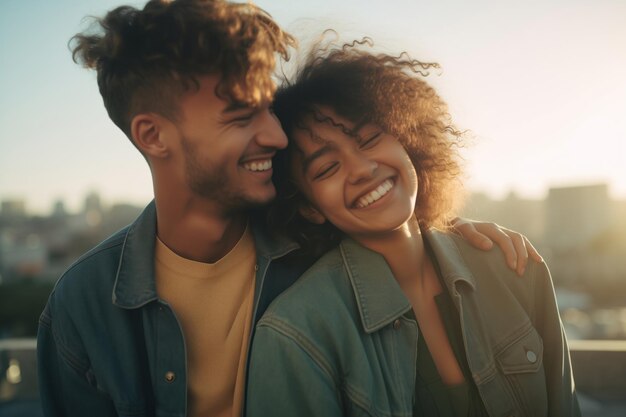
[361, 167]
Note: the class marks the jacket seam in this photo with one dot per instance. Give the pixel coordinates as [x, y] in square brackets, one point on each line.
[66, 354]
[360, 401]
[454, 277]
[513, 337]
[534, 284]
[302, 342]
[129, 411]
[45, 320]
[77, 364]
[90, 255]
[291, 333]
[329, 268]
[368, 325]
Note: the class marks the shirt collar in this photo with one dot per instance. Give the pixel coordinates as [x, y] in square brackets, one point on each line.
[135, 284]
[379, 298]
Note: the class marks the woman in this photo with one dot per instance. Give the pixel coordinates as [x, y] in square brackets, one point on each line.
[399, 318]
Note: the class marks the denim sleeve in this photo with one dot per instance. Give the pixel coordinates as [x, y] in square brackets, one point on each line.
[66, 385]
[562, 400]
[288, 378]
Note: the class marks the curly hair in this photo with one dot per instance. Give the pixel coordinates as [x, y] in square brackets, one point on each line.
[145, 59]
[366, 87]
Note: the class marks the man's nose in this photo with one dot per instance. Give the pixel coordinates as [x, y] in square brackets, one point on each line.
[271, 134]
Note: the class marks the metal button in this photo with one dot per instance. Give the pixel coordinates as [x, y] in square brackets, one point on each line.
[396, 324]
[256, 267]
[170, 376]
[531, 356]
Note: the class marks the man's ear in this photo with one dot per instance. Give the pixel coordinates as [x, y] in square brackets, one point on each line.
[311, 214]
[147, 131]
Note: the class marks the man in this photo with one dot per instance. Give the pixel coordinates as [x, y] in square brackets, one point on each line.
[157, 319]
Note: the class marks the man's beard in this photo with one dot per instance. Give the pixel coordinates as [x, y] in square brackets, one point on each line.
[208, 182]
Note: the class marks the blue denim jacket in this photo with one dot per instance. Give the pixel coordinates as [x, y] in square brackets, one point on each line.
[108, 346]
[339, 341]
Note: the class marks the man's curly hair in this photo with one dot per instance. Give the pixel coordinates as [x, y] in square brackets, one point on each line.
[145, 59]
[367, 87]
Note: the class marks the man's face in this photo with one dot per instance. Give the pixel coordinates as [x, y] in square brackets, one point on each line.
[227, 151]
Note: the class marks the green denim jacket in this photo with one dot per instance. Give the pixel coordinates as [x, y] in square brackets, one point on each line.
[338, 342]
[108, 345]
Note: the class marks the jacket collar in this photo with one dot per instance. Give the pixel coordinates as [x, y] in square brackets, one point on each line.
[453, 267]
[379, 298]
[269, 245]
[135, 284]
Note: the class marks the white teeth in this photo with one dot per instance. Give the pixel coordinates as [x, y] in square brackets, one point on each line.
[258, 166]
[375, 195]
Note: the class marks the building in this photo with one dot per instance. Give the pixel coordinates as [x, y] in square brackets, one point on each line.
[575, 216]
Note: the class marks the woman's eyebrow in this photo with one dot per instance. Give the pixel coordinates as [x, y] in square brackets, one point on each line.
[308, 160]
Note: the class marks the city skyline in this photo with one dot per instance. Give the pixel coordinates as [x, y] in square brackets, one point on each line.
[80, 200]
[538, 84]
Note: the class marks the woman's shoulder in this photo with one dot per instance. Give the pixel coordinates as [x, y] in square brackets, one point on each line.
[323, 292]
[459, 258]
[495, 286]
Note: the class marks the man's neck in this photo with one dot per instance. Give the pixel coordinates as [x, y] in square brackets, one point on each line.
[198, 230]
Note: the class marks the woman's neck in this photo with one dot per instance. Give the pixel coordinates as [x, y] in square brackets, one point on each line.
[404, 251]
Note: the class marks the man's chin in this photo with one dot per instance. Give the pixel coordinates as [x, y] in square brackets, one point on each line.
[261, 201]
[255, 201]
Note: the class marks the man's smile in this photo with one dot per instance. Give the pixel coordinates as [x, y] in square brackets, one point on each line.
[260, 165]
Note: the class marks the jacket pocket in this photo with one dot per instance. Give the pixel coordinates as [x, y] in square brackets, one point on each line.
[521, 365]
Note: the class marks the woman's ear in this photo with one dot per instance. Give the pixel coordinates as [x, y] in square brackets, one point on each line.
[311, 214]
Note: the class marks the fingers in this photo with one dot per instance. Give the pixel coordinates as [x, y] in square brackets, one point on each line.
[515, 246]
[467, 230]
[509, 245]
[519, 243]
[532, 252]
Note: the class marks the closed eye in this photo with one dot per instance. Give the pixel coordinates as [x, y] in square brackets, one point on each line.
[243, 120]
[370, 141]
[326, 171]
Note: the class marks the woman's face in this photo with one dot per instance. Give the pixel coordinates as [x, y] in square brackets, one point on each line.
[364, 185]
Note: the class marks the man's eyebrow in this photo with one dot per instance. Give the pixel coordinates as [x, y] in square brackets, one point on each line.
[317, 154]
[233, 107]
[233, 111]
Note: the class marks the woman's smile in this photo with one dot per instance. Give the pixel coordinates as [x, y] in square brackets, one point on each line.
[375, 195]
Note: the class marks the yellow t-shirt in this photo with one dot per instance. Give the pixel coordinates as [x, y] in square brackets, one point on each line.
[213, 303]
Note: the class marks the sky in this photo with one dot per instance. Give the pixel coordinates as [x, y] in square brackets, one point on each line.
[540, 85]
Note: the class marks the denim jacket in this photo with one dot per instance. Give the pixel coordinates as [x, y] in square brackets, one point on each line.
[108, 346]
[338, 342]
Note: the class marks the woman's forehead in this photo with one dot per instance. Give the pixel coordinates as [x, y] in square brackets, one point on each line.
[324, 125]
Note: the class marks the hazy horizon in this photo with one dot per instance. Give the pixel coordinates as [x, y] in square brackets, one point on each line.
[539, 84]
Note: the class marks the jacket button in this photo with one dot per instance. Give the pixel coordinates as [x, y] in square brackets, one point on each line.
[170, 376]
[396, 324]
[531, 356]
